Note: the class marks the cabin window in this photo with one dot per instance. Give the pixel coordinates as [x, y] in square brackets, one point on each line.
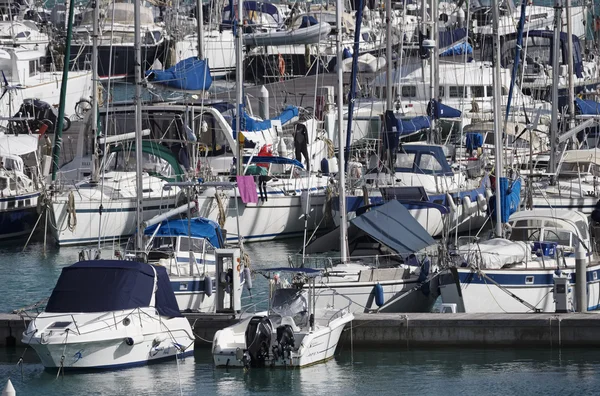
[477, 91]
[457, 92]
[22, 35]
[3, 183]
[429, 163]
[405, 160]
[490, 91]
[582, 228]
[409, 91]
[157, 35]
[441, 92]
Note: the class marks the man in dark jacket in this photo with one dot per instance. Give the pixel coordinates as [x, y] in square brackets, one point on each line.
[301, 144]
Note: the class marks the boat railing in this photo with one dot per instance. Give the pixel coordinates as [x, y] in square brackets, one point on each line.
[253, 305]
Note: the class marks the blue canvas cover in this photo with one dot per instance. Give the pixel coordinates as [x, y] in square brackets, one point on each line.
[199, 227]
[395, 128]
[587, 107]
[191, 74]
[308, 20]
[474, 140]
[510, 198]
[449, 37]
[111, 285]
[252, 124]
[393, 225]
[458, 49]
[437, 110]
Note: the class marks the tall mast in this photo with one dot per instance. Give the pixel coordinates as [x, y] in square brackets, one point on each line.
[138, 123]
[95, 34]
[239, 83]
[339, 9]
[63, 93]
[388, 54]
[555, 66]
[497, 81]
[570, 64]
[200, 28]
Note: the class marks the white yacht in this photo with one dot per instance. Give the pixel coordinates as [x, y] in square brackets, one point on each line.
[110, 314]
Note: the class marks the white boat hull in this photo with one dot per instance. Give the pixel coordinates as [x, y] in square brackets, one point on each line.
[479, 295]
[281, 216]
[117, 222]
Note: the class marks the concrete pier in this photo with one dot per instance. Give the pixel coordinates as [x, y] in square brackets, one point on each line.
[414, 330]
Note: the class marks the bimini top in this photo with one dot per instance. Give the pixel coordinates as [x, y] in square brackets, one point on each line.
[199, 227]
[112, 285]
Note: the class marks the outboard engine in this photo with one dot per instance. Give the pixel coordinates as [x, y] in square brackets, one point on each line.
[258, 340]
[285, 342]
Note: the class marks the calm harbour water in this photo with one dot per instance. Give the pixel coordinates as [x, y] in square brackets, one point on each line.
[27, 277]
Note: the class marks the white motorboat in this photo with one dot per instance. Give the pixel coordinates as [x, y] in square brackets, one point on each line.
[24, 77]
[298, 34]
[518, 274]
[109, 314]
[24, 34]
[20, 188]
[292, 333]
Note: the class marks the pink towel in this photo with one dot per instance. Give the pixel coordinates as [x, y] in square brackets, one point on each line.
[247, 189]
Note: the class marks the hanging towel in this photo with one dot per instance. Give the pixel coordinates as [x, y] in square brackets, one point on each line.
[247, 189]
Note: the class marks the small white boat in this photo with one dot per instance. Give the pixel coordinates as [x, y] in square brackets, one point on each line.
[367, 63]
[109, 314]
[297, 34]
[291, 334]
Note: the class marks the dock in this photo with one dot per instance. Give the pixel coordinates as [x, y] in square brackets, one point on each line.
[413, 330]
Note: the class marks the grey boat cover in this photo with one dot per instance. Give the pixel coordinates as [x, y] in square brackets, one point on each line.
[390, 224]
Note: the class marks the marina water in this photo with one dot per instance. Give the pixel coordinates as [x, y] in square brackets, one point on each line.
[29, 276]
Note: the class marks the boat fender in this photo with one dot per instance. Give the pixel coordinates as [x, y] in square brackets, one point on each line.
[468, 206]
[488, 195]
[134, 340]
[482, 203]
[378, 291]
[451, 204]
[208, 285]
[248, 278]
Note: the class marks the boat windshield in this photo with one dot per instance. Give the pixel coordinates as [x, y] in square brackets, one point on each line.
[289, 302]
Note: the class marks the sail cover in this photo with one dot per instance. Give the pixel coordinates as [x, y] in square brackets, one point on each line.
[587, 107]
[191, 74]
[198, 227]
[111, 285]
[390, 224]
[510, 198]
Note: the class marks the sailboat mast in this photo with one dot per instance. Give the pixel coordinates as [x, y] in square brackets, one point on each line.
[497, 85]
[138, 122]
[200, 28]
[239, 83]
[63, 94]
[388, 54]
[555, 66]
[570, 64]
[339, 9]
[95, 34]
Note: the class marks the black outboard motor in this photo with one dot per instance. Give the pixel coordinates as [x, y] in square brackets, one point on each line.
[258, 340]
[285, 342]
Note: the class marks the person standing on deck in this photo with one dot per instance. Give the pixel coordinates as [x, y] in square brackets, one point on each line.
[301, 144]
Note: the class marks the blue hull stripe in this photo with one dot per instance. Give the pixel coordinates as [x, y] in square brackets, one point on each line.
[533, 278]
[117, 210]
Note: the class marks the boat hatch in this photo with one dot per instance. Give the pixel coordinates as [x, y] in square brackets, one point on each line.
[529, 280]
[59, 325]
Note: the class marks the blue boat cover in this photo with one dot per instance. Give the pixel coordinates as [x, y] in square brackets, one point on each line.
[249, 5]
[587, 107]
[111, 285]
[394, 128]
[458, 49]
[437, 110]
[474, 141]
[308, 20]
[252, 124]
[199, 227]
[392, 225]
[273, 160]
[191, 74]
[510, 198]
[449, 37]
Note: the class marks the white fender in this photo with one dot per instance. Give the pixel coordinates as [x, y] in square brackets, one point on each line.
[451, 204]
[468, 206]
[482, 203]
